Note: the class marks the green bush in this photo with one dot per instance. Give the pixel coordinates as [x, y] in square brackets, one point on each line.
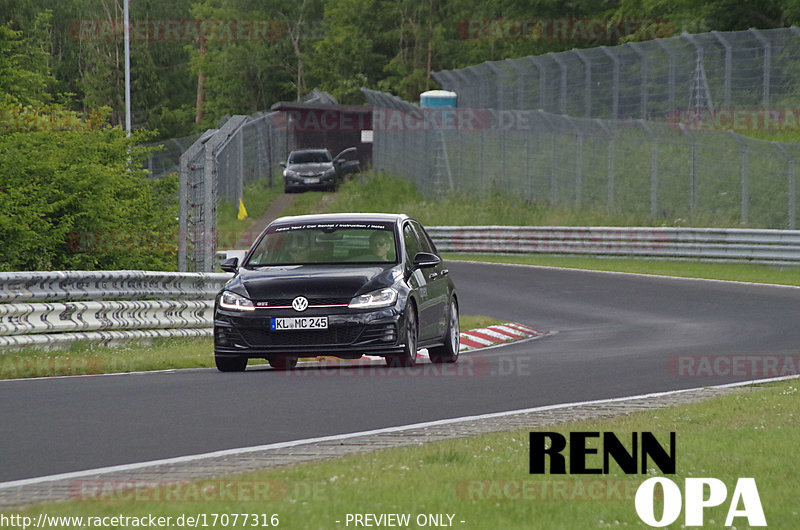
[78, 200]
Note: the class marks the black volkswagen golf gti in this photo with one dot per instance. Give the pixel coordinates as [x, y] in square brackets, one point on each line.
[343, 285]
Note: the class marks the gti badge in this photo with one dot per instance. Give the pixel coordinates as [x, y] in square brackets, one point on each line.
[300, 303]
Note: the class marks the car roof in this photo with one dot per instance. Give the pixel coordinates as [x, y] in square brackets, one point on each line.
[311, 150]
[341, 217]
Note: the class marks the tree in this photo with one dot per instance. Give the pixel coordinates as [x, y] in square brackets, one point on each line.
[71, 191]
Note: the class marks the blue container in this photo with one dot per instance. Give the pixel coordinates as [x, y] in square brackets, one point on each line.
[438, 99]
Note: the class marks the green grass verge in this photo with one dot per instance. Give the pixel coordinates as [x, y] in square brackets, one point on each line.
[484, 480]
[257, 198]
[741, 272]
[86, 358]
[384, 193]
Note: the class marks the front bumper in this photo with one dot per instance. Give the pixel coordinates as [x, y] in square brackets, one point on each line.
[349, 335]
[315, 182]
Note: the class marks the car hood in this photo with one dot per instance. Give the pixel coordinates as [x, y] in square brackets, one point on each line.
[310, 168]
[312, 281]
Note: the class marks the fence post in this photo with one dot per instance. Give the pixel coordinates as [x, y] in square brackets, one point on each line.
[553, 183]
[670, 74]
[692, 175]
[767, 64]
[653, 168]
[542, 80]
[499, 90]
[183, 213]
[792, 188]
[726, 85]
[615, 85]
[587, 82]
[520, 74]
[562, 86]
[745, 177]
[610, 164]
[643, 96]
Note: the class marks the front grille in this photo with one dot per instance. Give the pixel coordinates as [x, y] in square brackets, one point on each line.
[333, 336]
[287, 302]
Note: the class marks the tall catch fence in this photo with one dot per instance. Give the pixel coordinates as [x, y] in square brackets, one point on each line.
[630, 167]
[167, 159]
[650, 80]
[216, 168]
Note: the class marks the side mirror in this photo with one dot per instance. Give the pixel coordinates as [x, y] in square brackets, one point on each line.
[426, 260]
[283, 164]
[230, 265]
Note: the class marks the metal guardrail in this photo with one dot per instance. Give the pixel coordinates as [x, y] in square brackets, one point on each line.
[715, 244]
[49, 308]
[52, 308]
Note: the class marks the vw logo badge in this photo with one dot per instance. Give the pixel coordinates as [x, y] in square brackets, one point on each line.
[300, 303]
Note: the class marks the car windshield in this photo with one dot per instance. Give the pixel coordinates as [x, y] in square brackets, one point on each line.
[310, 157]
[326, 243]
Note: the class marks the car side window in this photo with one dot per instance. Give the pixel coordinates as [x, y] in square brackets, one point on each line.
[411, 243]
[424, 240]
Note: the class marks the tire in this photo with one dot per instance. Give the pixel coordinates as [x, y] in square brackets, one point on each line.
[230, 364]
[283, 363]
[449, 352]
[409, 355]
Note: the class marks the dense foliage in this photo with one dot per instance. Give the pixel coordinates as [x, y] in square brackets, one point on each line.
[71, 200]
[334, 45]
[71, 193]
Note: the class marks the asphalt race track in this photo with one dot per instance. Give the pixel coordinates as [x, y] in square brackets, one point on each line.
[610, 335]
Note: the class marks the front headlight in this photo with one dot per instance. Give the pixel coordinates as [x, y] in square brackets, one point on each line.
[290, 173]
[375, 299]
[236, 302]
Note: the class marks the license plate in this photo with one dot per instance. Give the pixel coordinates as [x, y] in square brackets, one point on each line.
[280, 324]
[311, 181]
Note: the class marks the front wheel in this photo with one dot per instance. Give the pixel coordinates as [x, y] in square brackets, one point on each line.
[409, 355]
[449, 352]
[230, 364]
[283, 363]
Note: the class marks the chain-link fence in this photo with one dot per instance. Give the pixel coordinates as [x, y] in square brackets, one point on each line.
[646, 80]
[216, 168]
[167, 159]
[635, 168]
